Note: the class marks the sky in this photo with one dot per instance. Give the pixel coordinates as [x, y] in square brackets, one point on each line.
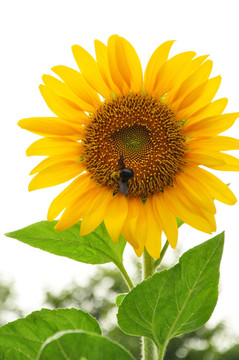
[35, 36]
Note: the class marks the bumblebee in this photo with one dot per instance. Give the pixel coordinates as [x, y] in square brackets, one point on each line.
[123, 175]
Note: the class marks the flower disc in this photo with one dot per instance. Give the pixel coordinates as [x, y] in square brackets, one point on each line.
[145, 133]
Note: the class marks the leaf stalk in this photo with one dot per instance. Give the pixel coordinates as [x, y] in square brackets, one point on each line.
[158, 261]
[125, 275]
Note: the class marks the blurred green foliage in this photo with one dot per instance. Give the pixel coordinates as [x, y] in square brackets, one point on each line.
[9, 309]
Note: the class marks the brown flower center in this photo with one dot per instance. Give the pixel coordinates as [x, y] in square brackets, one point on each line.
[134, 132]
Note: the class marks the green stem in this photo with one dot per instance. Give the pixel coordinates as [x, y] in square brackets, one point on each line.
[148, 347]
[161, 352]
[125, 276]
[158, 261]
[148, 263]
[149, 267]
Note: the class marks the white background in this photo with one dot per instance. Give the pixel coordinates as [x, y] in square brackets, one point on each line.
[35, 36]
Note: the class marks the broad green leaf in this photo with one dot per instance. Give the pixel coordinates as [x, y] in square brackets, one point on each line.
[94, 248]
[23, 338]
[75, 345]
[177, 300]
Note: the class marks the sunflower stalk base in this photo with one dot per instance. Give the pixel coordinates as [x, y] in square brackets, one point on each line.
[161, 352]
[148, 347]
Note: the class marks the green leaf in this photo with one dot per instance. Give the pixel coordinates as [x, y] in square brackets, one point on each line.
[119, 299]
[179, 222]
[76, 345]
[94, 248]
[177, 300]
[23, 338]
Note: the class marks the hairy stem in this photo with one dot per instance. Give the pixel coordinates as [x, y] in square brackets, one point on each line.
[161, 352]
[125, 276]
[158, 261]
[148, 347]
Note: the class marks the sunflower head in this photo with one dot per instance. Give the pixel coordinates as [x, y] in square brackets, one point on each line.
[134, 144]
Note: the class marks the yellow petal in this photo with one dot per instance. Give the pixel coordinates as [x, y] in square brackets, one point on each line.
[158, 58]
[115, 216]
[51, 160]
[54, 146]
[113, 65]
[211, 126]
[130, 225]
[129, 64]
[73, 212]
[211, 220]
[141, 230]
[194, 86]
[188, 70]
[186, 93]
[62, 107]
[214, 108]
[79, 86]
[47, 126]
[230, 163]
[168, 74]
[200, 97]
[102, 61]
[90, 71]
[217, 143]
[62, 90]
[56, 174]
[182, 207]
[153, 237]
[122, 63]
[72, 192]
[94, 215]
[215, 186]
[196, 192]
[204, 157]
[167, 219]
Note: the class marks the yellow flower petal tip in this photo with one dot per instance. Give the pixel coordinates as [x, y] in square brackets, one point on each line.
[59, 227]
[19, 123]
[132, 144]
[30, 187]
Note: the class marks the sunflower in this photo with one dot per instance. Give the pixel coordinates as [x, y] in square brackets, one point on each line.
[134, 145]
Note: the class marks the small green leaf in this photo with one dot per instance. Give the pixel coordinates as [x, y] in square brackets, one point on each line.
[119, 299]
[179, 222]
[177, 300]
[78, 345]
[23, 338]
[94, 248]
